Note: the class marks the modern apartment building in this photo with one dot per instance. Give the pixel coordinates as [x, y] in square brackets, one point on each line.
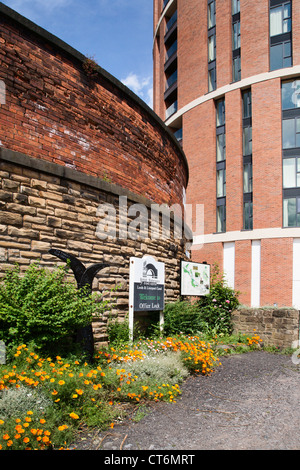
[227, 83]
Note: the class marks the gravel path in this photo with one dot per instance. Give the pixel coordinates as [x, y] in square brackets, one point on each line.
[251, 402]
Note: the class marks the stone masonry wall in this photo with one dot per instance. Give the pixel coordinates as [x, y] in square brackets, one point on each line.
[277, 327]
[43, 206]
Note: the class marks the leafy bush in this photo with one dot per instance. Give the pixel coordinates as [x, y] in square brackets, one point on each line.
[211, 313]
[42, 307]
[216, 308]
[15, 400]
[183, 317]
[165, 367]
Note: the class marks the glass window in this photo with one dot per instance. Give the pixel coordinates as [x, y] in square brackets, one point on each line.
[248, 216]
[290, 212]
[235, 6]
[236, 69]
[236, 35]
[221, 183]
[220, 113]
[221, 219]
[221, 147]
[291, 133]
[289, 172]
[247, 141]
[248, 178]
[280, 19]
[247, 105]
[290, 92]
[211, 48]
[211, 14]
[212, 79]
[280, 55]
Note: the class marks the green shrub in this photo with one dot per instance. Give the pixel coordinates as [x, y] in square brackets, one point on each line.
[211, 313]
[183, 317]
[15, 400]
[217, 307]
[42, 307]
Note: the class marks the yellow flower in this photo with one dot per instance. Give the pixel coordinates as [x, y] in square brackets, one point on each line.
[5, 437]
[1, 421]
[61, 382]
[26, 439]
[74, 416]
[42, 421]
[30, 412]
[63, 427]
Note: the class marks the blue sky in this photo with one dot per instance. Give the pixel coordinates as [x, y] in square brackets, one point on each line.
[116, 33]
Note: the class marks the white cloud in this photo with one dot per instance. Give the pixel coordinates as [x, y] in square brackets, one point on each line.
[141, 86]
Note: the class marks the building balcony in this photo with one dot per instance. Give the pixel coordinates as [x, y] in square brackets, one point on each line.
[172, 109]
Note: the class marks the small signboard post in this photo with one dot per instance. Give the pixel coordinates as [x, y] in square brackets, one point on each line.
[146, 288]
[195, 278]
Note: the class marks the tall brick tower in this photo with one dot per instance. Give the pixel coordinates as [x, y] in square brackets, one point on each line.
[227, 83]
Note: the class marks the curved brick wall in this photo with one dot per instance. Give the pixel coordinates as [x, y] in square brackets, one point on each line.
[73, 138]
[64, 109]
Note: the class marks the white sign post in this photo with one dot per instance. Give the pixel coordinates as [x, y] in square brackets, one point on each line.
[146, 288]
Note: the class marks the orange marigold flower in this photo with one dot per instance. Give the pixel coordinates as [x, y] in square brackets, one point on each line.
[74, 416]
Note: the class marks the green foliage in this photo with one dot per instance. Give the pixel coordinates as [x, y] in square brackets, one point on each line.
[209, 314]
[42, 307]
[118, 331]
[183, 317]
[217, 307]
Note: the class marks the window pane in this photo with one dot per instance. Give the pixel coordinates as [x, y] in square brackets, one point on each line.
[247, 141]
[289, 212]
[276, 21]
[247, 108]
[288, 133]
[248, 216]
[289, 172]
[221, 147]
[248, 178]
[211, 15]
[276, 57]
[221, 225]
[291, 94]
[287, 10]
[236, 35]
[235, 6]
[221, 113]
[220, 183]
[211, 48]
[212, 80]
[236, 69]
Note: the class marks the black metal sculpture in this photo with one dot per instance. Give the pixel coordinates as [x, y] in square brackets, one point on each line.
[84, 277]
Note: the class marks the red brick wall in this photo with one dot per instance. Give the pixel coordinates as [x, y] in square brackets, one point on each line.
[254, 37]
[55, 111]
[223, 42]
[276, 271]
[200, 147]
[267, 154]
[192, 51]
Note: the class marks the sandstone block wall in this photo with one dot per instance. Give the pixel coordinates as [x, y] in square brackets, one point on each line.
[44, 206]
[277, 327]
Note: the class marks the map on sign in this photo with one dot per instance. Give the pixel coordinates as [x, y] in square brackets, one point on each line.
[195, 278]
